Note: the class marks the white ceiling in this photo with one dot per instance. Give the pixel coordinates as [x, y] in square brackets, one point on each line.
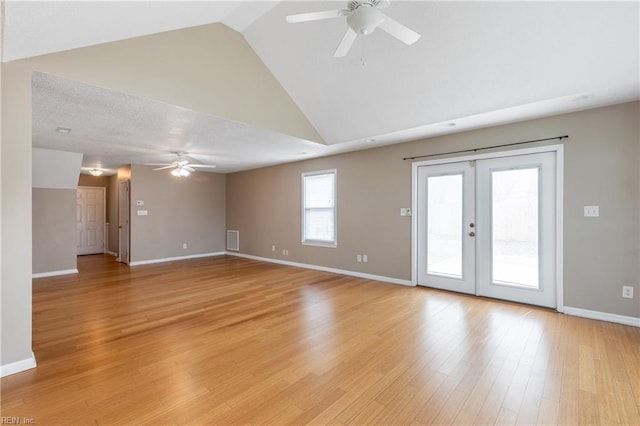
[477, 64]
[472, 58]
[37, 27]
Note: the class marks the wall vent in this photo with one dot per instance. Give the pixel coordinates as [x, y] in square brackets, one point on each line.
[233, 240]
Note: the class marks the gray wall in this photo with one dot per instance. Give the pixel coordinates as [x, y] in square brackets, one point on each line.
[54, 230]
[16, 213]
[601, 168]
[180, 210]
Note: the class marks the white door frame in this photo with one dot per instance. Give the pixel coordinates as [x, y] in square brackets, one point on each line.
[124, 230]
[559, 151]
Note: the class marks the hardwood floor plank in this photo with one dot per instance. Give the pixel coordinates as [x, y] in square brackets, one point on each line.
[226, 340]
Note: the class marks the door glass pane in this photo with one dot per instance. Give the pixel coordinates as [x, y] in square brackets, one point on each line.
[514, 216]
[444, 225]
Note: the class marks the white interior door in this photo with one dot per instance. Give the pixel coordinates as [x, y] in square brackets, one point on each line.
[90, 220]
[446, 247]
[488, 227]
[123, 222]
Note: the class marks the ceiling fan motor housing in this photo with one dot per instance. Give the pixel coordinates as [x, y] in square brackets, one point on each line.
[364, 18]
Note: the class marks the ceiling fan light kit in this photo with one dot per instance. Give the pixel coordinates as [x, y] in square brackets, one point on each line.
[181, 167]
[96, 172]
[180, 172]
[363, 17]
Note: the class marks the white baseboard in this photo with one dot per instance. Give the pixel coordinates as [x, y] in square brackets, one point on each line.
[54, 273]
[170, 259]
[602, 316]
[325, 269]
[18, 366]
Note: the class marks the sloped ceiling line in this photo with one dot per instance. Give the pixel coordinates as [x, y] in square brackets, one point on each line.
[477, 64]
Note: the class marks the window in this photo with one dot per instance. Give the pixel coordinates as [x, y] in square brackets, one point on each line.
[319, 208]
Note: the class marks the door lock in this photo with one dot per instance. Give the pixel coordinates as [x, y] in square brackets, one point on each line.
[472, 234]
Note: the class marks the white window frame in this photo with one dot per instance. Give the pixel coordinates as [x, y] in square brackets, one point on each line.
[320, 243]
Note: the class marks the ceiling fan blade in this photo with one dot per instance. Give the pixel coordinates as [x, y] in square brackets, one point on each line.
[399, 31]
[345, 44]
[314, 16]
[203, 166]
[165, 167]
[205, 158]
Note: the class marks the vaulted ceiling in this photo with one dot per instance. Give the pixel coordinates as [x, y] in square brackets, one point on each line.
[477, 64]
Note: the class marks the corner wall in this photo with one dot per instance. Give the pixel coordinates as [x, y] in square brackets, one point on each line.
[16, 218]
[601, 168]
[54, 231]
[54, 181]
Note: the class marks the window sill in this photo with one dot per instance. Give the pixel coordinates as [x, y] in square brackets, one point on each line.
[320, 244]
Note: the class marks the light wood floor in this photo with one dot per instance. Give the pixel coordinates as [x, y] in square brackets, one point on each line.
[228, 340]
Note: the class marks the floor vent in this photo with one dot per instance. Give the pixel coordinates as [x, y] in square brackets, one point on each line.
[233, 240]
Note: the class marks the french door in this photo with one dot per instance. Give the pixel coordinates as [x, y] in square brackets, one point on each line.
[488, 227]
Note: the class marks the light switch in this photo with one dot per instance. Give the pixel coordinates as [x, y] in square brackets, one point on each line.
[591, 211]
[142, 213]
[404, 211]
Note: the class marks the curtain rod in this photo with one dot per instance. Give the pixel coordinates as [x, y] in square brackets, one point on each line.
[487, 147]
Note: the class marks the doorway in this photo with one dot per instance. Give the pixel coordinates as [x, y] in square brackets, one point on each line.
[123, 222]
[490, 225]
[90, 220]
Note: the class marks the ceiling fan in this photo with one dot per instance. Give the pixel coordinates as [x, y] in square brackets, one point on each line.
[181, 167]
[363, 17]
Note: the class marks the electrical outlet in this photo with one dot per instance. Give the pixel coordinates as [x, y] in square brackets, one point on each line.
[285, 252]
[184, 245]
[358, 258]
[365, 259]
[627, 292]
[273, 248]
